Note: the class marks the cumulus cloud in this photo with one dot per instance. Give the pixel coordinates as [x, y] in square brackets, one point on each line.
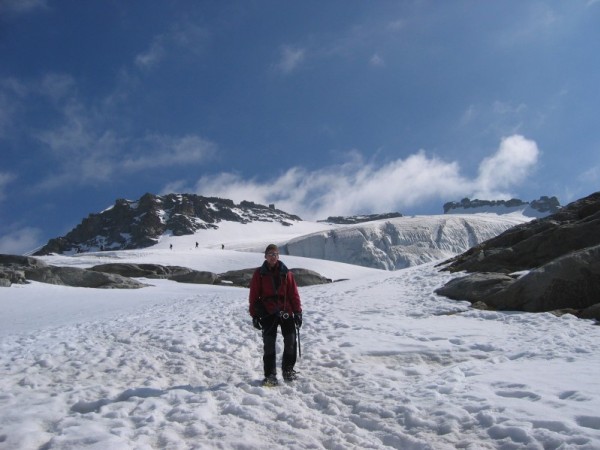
[509, 166]
[359, 186]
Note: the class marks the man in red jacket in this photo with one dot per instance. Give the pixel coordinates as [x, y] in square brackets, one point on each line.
[274, 301]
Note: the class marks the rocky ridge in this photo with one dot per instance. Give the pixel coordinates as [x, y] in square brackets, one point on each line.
[140, 224]
[542, 207]
[352, 220]
[547, 264]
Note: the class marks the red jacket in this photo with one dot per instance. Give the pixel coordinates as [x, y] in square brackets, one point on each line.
[264, 300]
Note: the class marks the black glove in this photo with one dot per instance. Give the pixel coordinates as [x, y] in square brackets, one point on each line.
[256, 323]
[298, 319]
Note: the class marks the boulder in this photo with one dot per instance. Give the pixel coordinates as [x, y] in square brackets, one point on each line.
[303, 277]
[239, 278]
[196, 277]
[476, 287]
[175, 273]
[593, 312]
[535, 243]
[306, 277]
[12, 268]
[132, 270]
[559, 254]
[76, 277]
[572, 281]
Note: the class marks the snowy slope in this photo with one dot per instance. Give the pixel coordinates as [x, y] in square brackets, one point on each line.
[385, 364]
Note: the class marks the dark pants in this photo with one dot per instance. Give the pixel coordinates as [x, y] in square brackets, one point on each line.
[288, 330]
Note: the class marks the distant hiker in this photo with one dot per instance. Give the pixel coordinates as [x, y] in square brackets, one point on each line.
[196, 245]
[170, 246]
[274, 301]
[222, 246]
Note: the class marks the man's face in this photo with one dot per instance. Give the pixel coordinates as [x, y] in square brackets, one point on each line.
[272, 257]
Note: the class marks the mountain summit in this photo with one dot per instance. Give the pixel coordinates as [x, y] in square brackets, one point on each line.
[139, 224]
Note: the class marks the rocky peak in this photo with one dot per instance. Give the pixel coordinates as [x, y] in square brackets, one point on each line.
[137, 224]
[542, 207]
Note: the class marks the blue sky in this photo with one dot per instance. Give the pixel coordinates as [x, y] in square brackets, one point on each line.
[325, 107]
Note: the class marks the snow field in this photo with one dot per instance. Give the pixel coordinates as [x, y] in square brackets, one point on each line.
[385, 364]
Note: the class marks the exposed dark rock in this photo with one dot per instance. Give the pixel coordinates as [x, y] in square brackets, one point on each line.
[196, 277]
[12, 268]
[139, 224]
[74, 276]
[243, 277]
[21, 262]
[350, 220]
[20, 269]
[467, 203]
[543, 206]
[240, 277]
[306, 277]
[156, 271]
[571, 281]
[593, 312]
[559, 256]
[475, 287]
[532, 244]
[133, 270]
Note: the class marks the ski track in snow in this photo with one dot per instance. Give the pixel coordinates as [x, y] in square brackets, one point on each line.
[385, 364]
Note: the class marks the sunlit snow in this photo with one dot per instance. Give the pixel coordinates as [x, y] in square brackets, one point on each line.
[385, 362]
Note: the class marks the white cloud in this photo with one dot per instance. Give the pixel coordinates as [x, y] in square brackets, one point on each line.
[153, 55]
[362, 187]
[165, 151]
[508, 167]
[290, 59]
[20, 241]
[183, 36]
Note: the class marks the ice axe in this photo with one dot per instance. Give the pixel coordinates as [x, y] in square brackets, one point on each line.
[299, 346]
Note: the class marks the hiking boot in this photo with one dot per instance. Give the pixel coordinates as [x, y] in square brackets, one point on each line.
[270, 380]
[290, 375]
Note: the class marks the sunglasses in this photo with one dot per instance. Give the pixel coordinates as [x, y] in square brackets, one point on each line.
[272, 254]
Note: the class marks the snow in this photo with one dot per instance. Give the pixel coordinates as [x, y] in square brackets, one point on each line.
[385, 363]
[403, 241]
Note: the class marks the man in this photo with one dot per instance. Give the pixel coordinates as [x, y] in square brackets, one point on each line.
[274, 301]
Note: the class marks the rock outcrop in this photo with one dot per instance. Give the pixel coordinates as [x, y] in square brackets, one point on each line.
[303, 277]
[542, 207]
[351, 220]
[545, 265]
[16, 269]
[157, 271]
[139, 224]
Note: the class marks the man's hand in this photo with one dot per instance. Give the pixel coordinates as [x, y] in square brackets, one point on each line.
[298, 319]
[256, 323]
